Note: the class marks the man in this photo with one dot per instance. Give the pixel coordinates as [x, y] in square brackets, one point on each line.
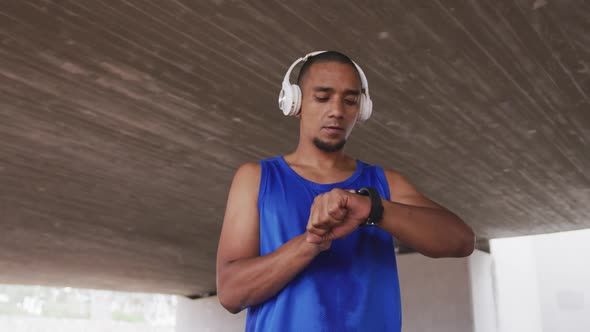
[301, 246]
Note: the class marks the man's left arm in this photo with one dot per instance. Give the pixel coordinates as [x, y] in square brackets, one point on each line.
[422, 224]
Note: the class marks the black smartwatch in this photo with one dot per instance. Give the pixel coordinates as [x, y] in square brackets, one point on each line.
[376, 213]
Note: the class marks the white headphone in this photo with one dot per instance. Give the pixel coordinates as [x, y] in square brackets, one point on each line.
[290, 96]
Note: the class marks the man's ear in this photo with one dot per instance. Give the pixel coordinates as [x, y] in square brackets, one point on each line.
[298, 115]
[300, 108]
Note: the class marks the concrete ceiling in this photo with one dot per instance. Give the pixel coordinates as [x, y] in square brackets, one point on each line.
[122, 122]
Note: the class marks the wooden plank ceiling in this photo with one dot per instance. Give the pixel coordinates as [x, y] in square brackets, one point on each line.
[122, 122]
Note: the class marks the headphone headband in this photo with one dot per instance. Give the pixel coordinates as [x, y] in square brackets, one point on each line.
[286, 80]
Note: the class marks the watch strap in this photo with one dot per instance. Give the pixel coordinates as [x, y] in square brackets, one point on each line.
[376, 213]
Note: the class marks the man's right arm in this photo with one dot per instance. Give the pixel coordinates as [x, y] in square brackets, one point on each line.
[244, 278]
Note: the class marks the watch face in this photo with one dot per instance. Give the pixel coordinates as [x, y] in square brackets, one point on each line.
[363, 191]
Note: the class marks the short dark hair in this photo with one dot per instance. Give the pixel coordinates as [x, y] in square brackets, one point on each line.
[329, 56]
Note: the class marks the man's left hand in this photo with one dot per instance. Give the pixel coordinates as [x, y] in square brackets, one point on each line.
[336, 214]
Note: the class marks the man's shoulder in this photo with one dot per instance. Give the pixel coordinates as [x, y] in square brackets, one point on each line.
[249, 170]
[393, 176]
[394, 179]
[253, 169]
[391, 173]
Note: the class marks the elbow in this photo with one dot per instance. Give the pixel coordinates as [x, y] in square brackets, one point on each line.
[465, 251]
[228, 303]
[467, 244]
[226, 297]
[230, 297]
[462, 246]
[233, 309]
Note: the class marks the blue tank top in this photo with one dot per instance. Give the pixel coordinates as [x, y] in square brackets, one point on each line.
[353, 286]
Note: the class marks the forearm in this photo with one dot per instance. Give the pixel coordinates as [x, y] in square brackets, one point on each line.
[431, 231]
[251, 281]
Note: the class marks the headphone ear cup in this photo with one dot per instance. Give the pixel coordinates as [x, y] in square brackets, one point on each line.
[366, 108]
[285, 100]
[290, 100]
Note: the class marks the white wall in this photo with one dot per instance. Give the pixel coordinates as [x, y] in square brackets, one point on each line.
[516, 285]
[563, 265]
[439, 294]
[206, 315]
[543, 282]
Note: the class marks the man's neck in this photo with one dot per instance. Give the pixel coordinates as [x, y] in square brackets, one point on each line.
[309, 155]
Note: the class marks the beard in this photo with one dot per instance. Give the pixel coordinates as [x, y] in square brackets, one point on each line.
[327, 147]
